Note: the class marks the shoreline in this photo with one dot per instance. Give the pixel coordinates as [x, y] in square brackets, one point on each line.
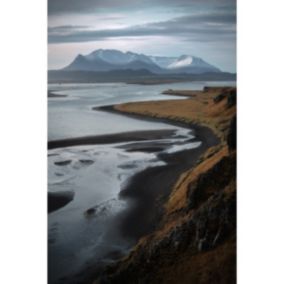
[155, 183]
[131, 136]
[152, 187]
[51, 94]
[161, 205]
[195, 127]
[198, 218]
[200, 133]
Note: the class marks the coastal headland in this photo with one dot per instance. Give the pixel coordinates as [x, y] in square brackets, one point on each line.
[194, 237]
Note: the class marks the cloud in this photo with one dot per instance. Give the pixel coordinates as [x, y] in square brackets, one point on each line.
[198, 27]
[206, 28]
[66, 28]
[56, 7]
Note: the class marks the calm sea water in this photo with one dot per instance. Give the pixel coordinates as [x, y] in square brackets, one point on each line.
[73, 116]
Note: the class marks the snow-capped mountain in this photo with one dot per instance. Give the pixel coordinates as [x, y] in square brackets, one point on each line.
[117, 57]
[107, 60]
[184, 64]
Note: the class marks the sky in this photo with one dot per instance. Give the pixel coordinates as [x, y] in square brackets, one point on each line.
[203, 28]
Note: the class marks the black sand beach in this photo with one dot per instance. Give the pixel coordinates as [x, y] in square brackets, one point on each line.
[51, 94]
[111, 138]
[146, 191]
[57, 200]
[152, 185]
[149, 189]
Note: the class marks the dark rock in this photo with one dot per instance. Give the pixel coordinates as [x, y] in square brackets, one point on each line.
[232, 135]
[210, 222]
[62, 163]
[232, 98]
[87, 162]
[50, 94]
[213, 180]
[219, 98]
[90, 212]
[58, 200]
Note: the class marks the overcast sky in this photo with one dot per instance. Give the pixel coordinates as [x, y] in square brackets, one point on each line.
[204, 28]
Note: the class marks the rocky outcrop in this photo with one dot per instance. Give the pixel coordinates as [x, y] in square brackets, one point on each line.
[232, 135]
[209, 222]
[219, 98]
[230, 95]
[211, 182]
[232, 98]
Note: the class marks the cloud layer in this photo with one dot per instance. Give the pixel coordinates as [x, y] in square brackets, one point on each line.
[202, 27]
[205, 28]
[92, 6]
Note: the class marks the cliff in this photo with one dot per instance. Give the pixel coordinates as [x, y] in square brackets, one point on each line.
[195, 242]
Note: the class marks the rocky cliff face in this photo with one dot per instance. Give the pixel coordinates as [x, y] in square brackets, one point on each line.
[199, 246]
[196, 240]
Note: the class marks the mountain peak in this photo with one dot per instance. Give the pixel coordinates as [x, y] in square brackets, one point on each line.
[112, 59]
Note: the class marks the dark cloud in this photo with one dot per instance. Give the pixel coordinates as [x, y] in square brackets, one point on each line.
[66, 28]
[207, 28]
[199, 27]
[56, 7]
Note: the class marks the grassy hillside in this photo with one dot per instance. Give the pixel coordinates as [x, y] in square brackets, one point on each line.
[196, 240]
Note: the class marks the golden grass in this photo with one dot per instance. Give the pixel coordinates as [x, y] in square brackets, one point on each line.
[178, 197]
[199, 109]
[216, 266]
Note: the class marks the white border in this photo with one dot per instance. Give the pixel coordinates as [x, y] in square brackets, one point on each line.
[260, 142]
[23, 142]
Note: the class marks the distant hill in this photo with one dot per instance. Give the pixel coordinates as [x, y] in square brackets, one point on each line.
[142, 76]
[116, 66]
[110, 59]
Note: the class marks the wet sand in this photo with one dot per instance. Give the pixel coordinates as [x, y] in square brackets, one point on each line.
[111, 138]
[147, 191]
[50, 94]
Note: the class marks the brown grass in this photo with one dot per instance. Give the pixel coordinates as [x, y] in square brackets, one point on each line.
[217, 265]
[178, 197]
[200, 109]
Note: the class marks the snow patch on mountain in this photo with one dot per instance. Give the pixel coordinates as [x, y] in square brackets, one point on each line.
[163, 62]
[111, 59]
[181, 63]
[111, 56]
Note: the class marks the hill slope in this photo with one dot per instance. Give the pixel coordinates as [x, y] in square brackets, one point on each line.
[195, 242]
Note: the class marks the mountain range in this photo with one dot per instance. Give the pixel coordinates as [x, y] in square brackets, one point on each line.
[103, 60]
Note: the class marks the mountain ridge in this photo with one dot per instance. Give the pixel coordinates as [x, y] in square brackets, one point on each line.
[111, 59]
